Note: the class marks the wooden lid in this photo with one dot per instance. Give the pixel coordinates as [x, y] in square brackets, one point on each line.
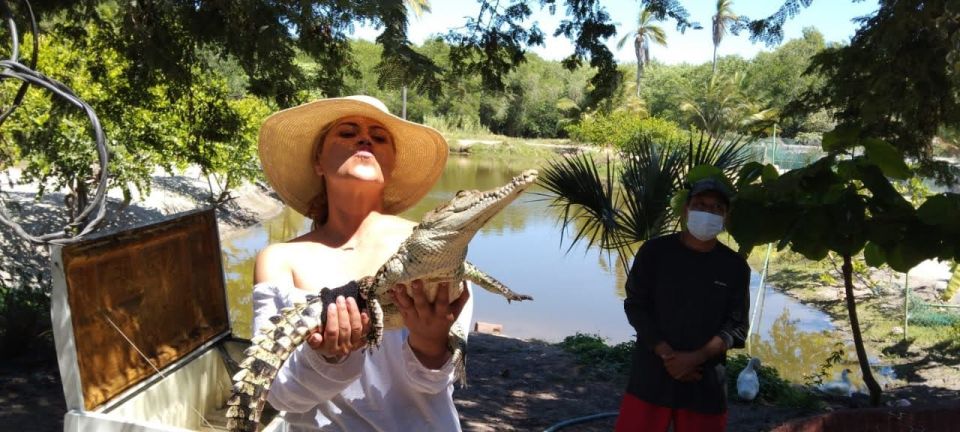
[160, 286]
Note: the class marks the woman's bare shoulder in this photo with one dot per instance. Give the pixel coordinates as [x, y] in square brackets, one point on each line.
[396, 226]
[275, 263]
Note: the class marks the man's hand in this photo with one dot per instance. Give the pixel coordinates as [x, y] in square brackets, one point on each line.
[345, 330]
[684, 365]
[429, 323]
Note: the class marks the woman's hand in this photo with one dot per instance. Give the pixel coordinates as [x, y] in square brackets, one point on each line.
[344, 332]
[429, 323]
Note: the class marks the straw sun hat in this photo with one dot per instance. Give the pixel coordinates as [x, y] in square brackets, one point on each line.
[288, 139]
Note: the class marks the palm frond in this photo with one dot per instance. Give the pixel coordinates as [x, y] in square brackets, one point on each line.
[650, 178]
[728, 153]
[623, 40]
[586, 200]
[657, 34]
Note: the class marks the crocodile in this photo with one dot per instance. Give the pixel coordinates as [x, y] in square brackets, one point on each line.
[435, 251]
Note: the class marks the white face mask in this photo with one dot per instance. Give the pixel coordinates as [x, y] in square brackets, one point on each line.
[704, 226]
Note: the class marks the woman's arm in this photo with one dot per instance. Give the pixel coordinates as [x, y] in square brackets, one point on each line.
[426, 354]
[306, 378]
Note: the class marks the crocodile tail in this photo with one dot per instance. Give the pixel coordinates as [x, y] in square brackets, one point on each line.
[264, 358]
[457, 344]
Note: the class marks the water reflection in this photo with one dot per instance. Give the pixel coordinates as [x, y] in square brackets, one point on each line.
[579, 291]
[798, 354]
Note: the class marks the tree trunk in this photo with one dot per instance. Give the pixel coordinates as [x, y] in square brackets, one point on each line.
[639, 75]
[875, 390]
[714, 59]
[638, 50]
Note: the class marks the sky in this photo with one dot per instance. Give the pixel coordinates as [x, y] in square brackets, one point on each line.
[833, 18]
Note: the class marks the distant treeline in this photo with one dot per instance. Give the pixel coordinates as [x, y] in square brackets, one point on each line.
[543, 99]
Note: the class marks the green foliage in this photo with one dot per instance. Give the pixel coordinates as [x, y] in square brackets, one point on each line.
[953, 338]
[885, 54]
[217, 134]
[842, 206]
[778, 78]
[528, 105]
[53, 139]
[462, 126]
[512, 150]
[839, 206]
[631, 202]
[196, 122]
[953, 285]
[602, 359]
[265, 38]
[619, 128]
[722, 105]
[773, 389]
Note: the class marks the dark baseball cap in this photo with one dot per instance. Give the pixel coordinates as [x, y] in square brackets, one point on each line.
[710, 184]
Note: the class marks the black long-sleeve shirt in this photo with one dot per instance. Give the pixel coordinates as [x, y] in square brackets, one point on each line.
[685, 297]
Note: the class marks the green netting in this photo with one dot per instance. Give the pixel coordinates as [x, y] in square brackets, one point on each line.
[921, 314]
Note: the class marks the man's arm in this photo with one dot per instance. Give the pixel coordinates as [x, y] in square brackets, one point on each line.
[639, 303]
[733, 331]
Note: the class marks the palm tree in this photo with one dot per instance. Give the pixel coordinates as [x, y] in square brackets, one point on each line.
[642, 36]
[419, 6]
[632, 202]
[723, 105]
[721, 22]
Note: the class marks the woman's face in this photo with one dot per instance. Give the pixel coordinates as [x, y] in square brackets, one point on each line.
[359, 148]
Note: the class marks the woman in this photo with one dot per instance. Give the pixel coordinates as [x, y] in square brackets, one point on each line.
[351, 167]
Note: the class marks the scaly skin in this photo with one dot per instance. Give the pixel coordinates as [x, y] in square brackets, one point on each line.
[434, 252]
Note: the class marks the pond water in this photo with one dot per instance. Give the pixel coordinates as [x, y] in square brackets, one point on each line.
[575, 291]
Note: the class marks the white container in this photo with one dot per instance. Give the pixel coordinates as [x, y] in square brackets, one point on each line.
[142, 331]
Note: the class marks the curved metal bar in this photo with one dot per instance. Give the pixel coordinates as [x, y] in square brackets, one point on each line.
[22, 92]
[12, 68]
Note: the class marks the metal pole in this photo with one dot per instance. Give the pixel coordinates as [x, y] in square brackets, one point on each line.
[773, 157]
[906, 297]
[757, 313]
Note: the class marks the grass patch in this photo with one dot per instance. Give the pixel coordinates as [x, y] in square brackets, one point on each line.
[512, 149]
[604, 361]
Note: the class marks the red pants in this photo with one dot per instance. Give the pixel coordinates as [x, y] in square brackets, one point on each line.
[639, 416]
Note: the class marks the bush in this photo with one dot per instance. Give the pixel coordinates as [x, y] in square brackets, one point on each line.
[620, 128]
[605, 360]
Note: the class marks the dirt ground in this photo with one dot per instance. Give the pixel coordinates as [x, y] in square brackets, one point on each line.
[517, 385]
[513, 385]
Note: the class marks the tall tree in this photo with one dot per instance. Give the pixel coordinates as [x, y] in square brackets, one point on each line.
[911, 50]
[645, 32]
[723, 20]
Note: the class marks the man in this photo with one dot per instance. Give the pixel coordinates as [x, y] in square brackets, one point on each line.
[687, 298]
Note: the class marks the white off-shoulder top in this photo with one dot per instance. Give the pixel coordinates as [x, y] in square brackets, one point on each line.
[378, 389]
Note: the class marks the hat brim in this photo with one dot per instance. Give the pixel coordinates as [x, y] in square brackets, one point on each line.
[288, 138]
